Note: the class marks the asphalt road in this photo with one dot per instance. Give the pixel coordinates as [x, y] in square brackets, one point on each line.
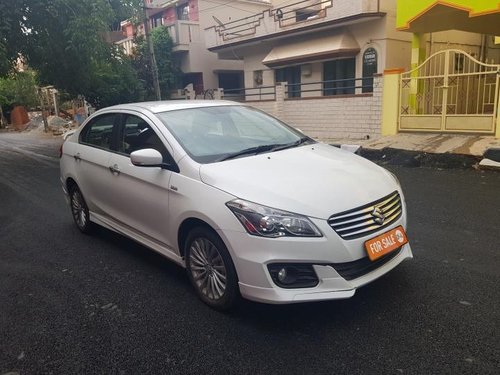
[101, 304]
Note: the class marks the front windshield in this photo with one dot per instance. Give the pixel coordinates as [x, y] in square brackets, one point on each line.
[211, 134]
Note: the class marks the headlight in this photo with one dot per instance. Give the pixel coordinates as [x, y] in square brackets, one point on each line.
[269, 222]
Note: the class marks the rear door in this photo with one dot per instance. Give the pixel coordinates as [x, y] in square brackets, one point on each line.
[140, 195]
[91, 157]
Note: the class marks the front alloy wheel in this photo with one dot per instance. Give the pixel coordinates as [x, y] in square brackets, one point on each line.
[211, 269]
[79, 210]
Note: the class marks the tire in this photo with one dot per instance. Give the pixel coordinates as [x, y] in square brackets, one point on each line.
[210, 269]
[80, 210]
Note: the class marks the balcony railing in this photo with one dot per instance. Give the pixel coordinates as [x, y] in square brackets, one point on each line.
[331, 88]
[345, 86]
[293, 16]
[184, 33]
[251, 94]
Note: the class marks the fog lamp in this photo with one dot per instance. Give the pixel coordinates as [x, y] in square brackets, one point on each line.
[282, 274]
[293, 275]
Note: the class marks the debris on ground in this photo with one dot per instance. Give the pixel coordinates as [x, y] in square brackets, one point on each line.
[57, 125]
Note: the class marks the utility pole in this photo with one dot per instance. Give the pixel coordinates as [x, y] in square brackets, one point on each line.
[152, 59]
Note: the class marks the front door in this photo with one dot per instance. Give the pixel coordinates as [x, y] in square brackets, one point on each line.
[140, 195]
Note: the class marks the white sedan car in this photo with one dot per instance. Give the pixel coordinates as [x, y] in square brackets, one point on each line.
[248, 205]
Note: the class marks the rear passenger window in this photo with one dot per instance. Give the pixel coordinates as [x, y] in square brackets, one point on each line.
[98, 132]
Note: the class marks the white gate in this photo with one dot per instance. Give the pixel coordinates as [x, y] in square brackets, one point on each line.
[450, 92]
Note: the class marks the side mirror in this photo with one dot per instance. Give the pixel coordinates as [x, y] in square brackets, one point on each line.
[147, 157]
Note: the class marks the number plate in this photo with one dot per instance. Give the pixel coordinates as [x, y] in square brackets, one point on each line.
[385, 243]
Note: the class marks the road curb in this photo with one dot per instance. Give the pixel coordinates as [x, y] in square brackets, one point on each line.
[415, 159]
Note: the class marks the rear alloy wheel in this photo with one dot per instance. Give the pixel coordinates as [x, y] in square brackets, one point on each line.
[211, 269]
[80, 210]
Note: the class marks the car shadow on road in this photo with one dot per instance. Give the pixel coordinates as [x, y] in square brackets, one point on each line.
[375, 302]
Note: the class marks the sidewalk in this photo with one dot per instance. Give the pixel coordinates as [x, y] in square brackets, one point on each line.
[436, 150]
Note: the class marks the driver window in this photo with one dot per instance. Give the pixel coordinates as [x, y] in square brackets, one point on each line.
[137, 135]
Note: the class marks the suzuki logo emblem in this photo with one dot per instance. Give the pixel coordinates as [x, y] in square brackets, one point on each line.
[378, 215]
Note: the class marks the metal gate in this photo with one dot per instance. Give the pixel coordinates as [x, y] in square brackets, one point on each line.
[450, 92]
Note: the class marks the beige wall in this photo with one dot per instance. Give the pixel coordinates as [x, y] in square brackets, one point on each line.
[493, 52]
[393, 47]
[398, 43]
[368, 34]
[439, 41]
[332, 118]
[228, 11]
[199, 59]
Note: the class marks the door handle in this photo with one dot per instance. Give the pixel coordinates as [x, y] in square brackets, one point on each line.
[77, 156]
[114, 169]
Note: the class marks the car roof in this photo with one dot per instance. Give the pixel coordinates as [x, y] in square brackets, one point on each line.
[172, 105]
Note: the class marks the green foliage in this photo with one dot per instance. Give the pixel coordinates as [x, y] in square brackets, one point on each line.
[114, 81]
[11, 35]
[19, 89]
[67, 37]
[123, 10]
[64, 42]
[168, 73]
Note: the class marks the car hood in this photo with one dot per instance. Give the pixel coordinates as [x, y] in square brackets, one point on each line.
[316, 180]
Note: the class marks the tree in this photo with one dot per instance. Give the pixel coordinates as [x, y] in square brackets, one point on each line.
[19, 88]
[124, 10]
[11, 35]
[168, 73]
[63, 40]
[114, 81]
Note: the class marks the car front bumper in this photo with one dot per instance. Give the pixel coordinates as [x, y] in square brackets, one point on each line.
[252, 255]
[331, 285]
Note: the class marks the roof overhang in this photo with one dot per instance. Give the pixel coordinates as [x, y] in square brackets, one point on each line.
[434, 16]
[307, 50]
[295, 32]
[150, 12]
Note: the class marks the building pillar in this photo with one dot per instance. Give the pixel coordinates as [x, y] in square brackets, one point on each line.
[280, 101]
[219, 94]
[390, 101]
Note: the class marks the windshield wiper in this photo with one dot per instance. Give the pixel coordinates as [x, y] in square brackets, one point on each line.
[250, 151]
[265, 148]
[293, 144]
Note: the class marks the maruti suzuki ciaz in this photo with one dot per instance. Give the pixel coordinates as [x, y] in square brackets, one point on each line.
[249, 206]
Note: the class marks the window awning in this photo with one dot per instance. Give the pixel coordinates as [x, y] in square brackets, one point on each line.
[323, 48]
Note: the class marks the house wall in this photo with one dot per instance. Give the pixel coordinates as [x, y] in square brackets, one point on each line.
[368, 34]
[199, 59]
[468, 42]
[330, 118]
[397, 43]
[493, 51]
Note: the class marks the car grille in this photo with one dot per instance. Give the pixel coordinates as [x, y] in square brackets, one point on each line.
[367, 219]
[358, 268]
